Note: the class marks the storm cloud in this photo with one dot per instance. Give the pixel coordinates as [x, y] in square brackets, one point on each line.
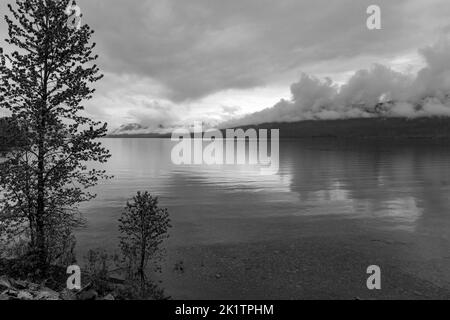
[197, 47]
[378, 91]
[199, 58]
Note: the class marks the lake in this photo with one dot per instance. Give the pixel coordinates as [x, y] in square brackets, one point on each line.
[375, 190]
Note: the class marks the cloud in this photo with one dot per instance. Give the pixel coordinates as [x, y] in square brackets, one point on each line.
[230, 110]
[193, 57]
[378, 91]
[198, 47]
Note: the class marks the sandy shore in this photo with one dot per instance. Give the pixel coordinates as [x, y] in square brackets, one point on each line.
[313, 258]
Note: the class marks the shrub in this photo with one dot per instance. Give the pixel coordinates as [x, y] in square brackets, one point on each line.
[143, 227]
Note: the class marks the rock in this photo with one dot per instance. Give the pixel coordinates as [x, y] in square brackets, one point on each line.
[417, 293]
[68, 295]
[179, 267]
[33, 287]
[10, 293]
[24, 295]
[4, 297]
[5, 283]
[19, 284]
[88, 295]
[109, 297]
[218, 276]
[47, 294]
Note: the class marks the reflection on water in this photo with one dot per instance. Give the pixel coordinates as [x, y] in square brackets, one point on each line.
[406, 184]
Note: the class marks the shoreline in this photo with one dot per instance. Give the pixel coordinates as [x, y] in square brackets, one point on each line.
[421, 128]
[327, 265]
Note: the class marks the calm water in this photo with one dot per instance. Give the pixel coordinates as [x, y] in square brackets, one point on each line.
[406, 185]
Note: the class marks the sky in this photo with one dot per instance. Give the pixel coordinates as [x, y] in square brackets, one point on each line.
[172, 62]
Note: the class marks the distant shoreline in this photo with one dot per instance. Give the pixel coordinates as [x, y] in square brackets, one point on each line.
[363, 128]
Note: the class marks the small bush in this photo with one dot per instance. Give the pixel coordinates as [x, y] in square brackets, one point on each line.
[143, 227]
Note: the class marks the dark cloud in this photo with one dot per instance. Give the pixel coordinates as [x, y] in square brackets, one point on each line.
[199, 47]
[172, 53]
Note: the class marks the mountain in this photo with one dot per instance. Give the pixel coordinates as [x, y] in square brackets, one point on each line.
[135, 130]
[129, 129]
[377, 127]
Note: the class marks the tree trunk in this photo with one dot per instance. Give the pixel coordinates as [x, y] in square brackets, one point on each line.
[142, 264]
[40, 210]
[143, 254]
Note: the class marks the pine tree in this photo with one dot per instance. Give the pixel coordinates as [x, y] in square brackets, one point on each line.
[9, 134]
[43, 81]
[143, 227]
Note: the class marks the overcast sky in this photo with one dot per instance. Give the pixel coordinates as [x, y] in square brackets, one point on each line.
[174, 61]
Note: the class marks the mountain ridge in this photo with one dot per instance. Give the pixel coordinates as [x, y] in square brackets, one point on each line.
[379, 127]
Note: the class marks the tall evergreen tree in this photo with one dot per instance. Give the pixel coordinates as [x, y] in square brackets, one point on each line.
[43, 81]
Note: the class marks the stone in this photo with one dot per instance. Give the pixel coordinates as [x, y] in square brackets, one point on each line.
[109, 297]
[33, 287]
[5, 283]
[68, 295]
[19, 284]
[4, 297]
[88, 295]
[11, 293]
[24, 295]
[47, 294]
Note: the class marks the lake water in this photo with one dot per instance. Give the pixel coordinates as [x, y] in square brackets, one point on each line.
[406, 185]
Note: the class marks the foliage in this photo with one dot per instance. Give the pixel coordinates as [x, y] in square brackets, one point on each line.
[143, 227]
[9, 134]
[16, 261]
[100, 269]
[136, 290]
[43, 84]
[99, 265]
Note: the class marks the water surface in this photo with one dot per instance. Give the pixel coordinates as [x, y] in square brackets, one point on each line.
[405, 184]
